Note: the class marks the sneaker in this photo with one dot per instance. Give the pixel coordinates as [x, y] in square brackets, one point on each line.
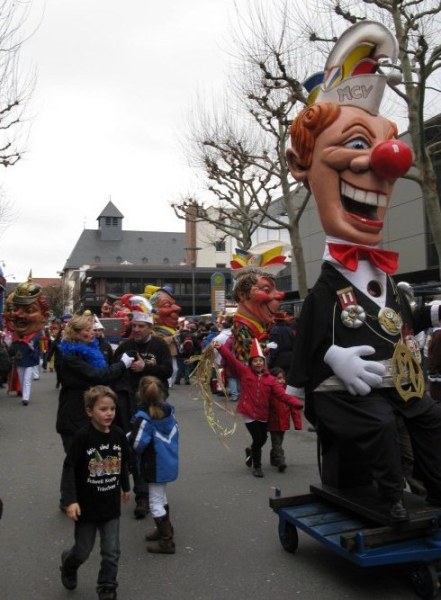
[141, 509]
[248, 457]
[69, 580]
[107, 593]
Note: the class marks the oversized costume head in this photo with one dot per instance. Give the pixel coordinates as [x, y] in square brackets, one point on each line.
[341, 148]
[255, 289]
[165, 309]
[27, 309]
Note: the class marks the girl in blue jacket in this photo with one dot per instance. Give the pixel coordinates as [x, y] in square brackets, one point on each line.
[154, 438]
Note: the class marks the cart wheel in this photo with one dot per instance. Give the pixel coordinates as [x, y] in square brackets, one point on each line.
[288, 536]
[425, 580]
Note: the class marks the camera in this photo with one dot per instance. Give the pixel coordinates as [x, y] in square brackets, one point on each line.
[150, 357]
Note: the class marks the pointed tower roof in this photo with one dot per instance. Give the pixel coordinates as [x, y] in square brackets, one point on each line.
[110, 211]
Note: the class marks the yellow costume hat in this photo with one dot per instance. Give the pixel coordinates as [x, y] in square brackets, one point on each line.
[358, 68]
[265, 259]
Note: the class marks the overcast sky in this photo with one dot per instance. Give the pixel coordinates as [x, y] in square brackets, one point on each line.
[115, 81]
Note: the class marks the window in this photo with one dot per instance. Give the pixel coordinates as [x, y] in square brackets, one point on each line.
[111, 221]
[114, 286]
[220, 246]
[220, 265]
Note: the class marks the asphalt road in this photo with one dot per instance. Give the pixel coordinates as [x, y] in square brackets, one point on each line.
[225, 532]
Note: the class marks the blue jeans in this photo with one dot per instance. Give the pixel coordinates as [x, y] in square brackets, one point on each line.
[85, 534]
[184, 370]
[234, 387]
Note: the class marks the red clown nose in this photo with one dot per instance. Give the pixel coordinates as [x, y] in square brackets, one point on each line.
[391, 159]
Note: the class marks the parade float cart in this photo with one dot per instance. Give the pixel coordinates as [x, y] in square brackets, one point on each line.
[352, 523]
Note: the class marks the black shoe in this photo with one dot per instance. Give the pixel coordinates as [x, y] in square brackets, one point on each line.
[398, 512]
[141, 509]
[25, 402]
[281, 467]
[187, 383]
[248, 457]
[69, 580]
[107, 593]
[257, 472]
[177, 383]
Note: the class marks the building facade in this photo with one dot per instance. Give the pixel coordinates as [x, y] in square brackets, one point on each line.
[110, 260]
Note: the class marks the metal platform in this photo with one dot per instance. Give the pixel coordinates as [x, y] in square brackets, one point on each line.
[355, 525]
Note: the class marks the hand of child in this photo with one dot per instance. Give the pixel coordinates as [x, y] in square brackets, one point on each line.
[73, 511]
[216, 345]
[125, 497]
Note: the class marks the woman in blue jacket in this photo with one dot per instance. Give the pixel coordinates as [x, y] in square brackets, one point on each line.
[155, 439]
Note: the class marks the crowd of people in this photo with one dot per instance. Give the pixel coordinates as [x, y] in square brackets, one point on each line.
[114, 418]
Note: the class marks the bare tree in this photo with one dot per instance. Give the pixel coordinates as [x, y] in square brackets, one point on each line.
[15, 90]
[229, 158]
[269, 61]
[416, 25]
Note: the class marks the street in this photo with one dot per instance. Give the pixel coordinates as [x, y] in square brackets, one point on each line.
[226, 534]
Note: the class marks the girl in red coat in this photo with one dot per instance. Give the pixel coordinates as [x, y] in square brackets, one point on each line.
[279, 421]
[257, 386]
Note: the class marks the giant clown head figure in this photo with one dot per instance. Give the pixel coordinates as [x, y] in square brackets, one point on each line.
[255, 289]
[27, 309]
[341, 149]
[165, 309]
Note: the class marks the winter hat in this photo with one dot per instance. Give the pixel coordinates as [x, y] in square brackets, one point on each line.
[256, 350]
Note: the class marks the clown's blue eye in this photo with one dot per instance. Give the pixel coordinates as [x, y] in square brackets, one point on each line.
[357, 144]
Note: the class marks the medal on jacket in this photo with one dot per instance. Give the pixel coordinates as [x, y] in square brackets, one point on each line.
[352, 315]
[390, 321]
[407, 373]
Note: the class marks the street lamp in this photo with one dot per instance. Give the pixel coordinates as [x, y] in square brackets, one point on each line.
[192, 255]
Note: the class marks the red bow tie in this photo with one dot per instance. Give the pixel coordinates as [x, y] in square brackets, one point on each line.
[349, 256]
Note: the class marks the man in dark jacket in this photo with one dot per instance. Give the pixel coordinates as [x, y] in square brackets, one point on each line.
[283, 335]
[152, 357]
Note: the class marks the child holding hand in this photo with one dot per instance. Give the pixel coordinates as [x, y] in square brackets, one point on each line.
[257, 386]
[279, 421]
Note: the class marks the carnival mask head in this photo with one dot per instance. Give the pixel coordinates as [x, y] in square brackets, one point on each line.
[255, 288]
[28, 308]
[164, 306]
[341, 149]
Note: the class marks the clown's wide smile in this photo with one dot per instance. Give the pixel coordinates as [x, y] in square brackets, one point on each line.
[361, 204]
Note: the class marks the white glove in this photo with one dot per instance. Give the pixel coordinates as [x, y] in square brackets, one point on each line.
[127, 360]
[272, 345]
[359, 376]
[294, 391]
